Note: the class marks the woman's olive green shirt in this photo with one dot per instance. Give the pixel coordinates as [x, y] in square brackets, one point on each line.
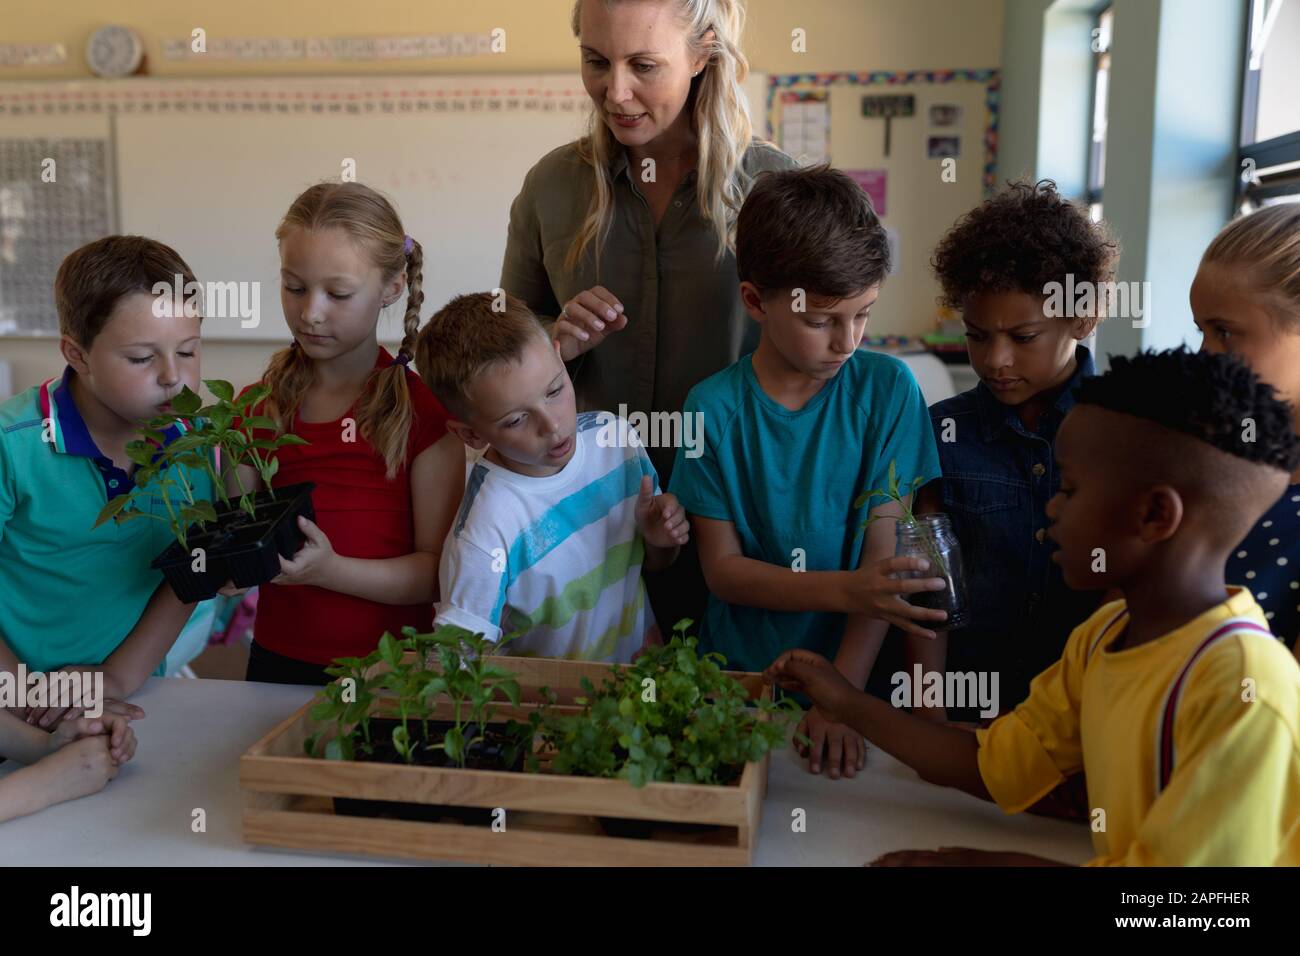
[685, 319]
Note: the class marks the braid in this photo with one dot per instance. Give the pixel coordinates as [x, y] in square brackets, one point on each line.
[414, 298]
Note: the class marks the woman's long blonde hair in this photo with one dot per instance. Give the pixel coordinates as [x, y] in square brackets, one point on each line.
[718, 115]
[384, 411]
[1265, 246]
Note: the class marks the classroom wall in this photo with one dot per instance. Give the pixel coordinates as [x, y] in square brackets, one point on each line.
[842, 34]
[1047, 76]
[922, 198]
[850, 35]
[1174, 103]
[1172, 156]
[1022, 67]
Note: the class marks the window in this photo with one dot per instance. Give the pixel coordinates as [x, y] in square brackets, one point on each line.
[1101, 38]
[1269, 157]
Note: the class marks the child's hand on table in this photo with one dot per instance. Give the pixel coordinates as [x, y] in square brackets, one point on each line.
[843, 747]
[660, 518]
[312, 563]
[114, 727]
[49, 717]
[80, 768]
[877, 589]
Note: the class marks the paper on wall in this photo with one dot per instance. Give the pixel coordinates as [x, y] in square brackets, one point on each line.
[806, 125]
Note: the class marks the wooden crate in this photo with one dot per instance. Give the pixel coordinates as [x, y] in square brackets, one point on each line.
[550, 818]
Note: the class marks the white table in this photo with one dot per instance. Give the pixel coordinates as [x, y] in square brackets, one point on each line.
[194, 731]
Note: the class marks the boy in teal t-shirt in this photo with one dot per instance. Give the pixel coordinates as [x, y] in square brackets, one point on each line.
[72, 596]
[793, 433]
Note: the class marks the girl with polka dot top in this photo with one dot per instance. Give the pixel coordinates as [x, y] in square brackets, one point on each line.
[1246, 300]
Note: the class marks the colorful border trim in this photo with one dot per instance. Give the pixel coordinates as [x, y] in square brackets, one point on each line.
[991, 78]
[363, 95]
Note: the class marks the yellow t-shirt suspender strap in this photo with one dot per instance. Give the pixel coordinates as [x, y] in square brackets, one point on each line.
[1096, 641]
[1165, 732]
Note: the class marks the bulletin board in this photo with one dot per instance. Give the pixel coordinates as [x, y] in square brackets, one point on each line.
[56, 194]
[953, 115]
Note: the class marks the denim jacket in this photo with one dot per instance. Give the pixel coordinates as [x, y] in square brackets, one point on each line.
[997, 479]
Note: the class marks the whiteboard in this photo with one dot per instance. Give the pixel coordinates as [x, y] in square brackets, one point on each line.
[209, 166]
[215, 185]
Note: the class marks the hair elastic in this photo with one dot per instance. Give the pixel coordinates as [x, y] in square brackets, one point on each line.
[402, 358]
[408, 245]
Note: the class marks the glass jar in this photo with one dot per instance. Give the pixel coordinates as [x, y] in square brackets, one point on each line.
[931, 537]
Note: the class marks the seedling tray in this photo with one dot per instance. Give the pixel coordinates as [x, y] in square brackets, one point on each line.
[239, 548]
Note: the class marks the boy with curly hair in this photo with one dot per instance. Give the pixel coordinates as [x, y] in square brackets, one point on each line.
[999, 266]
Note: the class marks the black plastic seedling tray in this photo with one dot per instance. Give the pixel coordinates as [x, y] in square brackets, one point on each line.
[238, 547]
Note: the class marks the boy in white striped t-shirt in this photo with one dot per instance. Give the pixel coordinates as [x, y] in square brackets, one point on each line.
[560, 513]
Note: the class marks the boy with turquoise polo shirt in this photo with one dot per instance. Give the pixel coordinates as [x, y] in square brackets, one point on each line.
[793, 433]
[75, 597]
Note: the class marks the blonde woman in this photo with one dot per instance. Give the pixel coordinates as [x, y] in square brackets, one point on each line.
[622, 240]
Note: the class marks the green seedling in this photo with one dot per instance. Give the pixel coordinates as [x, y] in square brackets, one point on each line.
[673, 715]
[451, 663]
[902, 493]
[224, 431]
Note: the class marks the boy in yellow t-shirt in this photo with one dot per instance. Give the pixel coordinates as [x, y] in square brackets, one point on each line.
[1177, 702]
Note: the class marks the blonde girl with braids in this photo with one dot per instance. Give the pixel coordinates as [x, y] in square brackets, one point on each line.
[622, 242]
[388, 475]
[1246, 300]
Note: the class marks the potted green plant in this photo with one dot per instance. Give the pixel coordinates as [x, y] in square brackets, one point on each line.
[221, 540]
[673, 715]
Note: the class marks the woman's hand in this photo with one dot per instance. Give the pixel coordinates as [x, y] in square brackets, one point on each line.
[585, 320]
